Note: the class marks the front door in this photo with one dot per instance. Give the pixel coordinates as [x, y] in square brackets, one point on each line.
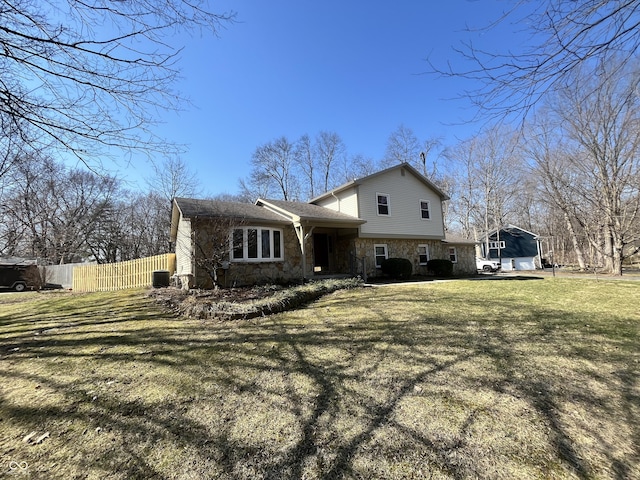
[321, 250]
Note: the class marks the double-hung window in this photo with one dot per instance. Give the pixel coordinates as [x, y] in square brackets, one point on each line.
[425, 214]
[256, 244]
[453, 254]
[381, 253]
[383, 203]
[423, 254]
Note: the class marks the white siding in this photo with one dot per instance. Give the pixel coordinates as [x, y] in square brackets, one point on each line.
[183, 247]
[404, 219]
[345, 202]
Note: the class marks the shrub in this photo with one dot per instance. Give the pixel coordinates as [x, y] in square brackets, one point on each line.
[440, 268]
[396, 267]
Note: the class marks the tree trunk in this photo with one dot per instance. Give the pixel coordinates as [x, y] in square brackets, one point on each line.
[574, 240]
[608, 250]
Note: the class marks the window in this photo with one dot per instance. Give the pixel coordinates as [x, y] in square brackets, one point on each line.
[496, 245]
[453, 254]
[266, 243]
[237, 241]
[424, 210]
[381, 254]
[252, 243]
[256, 244]
[383, 203]
[423, 254]
[277, 244]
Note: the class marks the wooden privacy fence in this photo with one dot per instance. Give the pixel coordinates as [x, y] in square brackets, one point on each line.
[117, 276]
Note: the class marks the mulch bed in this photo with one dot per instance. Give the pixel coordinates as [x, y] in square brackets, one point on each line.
[244, 302]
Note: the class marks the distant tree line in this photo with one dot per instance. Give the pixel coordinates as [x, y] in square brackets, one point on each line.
[309, 166]
[63, 215]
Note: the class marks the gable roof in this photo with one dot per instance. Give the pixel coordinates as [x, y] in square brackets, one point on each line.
[358, 181]
[192, 208]
[509, 228]
[301, 212]
[195, 208]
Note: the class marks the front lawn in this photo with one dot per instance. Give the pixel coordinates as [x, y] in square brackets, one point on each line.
[513, 379]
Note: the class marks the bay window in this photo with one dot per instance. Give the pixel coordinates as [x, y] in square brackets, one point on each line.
[256, 244]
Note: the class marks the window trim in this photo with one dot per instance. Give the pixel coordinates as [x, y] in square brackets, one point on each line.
[420, 202]
[273, 248]
[495, 245]
[378, 204]
[426, 250]
[375, 253]
[453, 254]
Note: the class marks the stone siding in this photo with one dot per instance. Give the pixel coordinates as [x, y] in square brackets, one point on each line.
[466, 257]
[255, 273]
[290, 268]
[408, 248]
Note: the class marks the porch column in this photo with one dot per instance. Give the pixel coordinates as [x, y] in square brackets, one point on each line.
[302, 237]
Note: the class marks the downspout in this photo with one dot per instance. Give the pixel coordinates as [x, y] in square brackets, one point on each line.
[337, 200]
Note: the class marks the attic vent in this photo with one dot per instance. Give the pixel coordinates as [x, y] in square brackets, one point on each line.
[402, 172]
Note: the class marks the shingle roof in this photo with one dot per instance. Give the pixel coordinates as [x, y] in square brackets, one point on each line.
[17, 261]
[191, 208]
[457, 240]
[310, 212]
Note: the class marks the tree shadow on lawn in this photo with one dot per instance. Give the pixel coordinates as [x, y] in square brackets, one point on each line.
[312, 394]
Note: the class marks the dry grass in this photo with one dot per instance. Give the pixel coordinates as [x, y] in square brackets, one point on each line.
[466, 379]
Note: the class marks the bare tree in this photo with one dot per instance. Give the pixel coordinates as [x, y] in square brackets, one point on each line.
[55, 208]
[272, 171]
[305, 159]
[357, 166]
[215, 237]
[487, 181]
[463, 207]
[90, 76]
[133, 226]
[213, 249]
[12, 147]
[402, 146]
[429, 159]
[550, 161]
[173, 178]
[331, 150]
[599, 111]
[565, 36]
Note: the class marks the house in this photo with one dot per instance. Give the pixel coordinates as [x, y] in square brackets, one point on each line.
[515, 247]
[396, 212]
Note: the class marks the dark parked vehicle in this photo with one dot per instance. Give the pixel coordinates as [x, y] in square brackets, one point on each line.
[20, 277]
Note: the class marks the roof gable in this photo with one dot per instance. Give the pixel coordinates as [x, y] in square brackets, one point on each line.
[359, 181]
[510, 229]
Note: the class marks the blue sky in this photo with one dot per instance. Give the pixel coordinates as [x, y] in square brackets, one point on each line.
[289, 67]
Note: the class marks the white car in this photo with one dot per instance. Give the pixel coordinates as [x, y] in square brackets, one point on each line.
[487, 265]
